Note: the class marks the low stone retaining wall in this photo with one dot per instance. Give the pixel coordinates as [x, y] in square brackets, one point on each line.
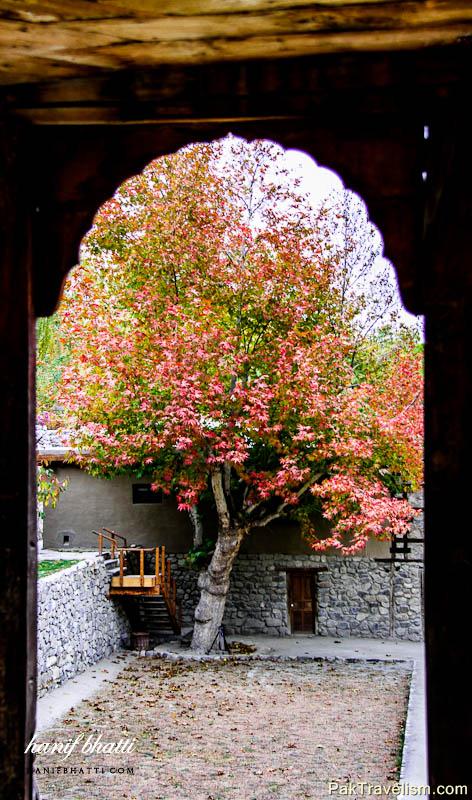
[353, 596]
[77, 623]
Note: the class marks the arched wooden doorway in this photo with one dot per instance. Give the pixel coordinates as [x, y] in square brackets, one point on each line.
[393, 124]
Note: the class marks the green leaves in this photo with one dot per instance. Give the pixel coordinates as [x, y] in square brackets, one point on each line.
[199, 557]
[49, 487]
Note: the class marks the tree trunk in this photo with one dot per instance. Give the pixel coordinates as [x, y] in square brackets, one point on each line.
[214, 584]
[197, 526]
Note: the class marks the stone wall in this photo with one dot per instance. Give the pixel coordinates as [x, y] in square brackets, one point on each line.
[354, 596]
[77, 623]
[362, 597]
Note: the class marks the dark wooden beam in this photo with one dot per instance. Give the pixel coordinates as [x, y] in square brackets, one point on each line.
[340, 84]
[17, 476]
[48, 38]
[363, 119]
[447, 280]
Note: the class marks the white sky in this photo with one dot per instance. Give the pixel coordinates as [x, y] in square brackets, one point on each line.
[318, 182]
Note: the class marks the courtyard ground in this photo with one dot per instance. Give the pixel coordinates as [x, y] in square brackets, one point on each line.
[232, 730]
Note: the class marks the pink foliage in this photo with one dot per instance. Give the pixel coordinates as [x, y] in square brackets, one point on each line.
[204, 337]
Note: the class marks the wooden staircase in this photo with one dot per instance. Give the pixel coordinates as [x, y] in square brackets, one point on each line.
[143, 576]
[154, 617]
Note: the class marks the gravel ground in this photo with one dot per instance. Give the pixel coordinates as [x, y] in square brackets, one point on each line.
[229, 730]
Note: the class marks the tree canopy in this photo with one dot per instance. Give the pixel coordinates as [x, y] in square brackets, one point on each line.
[217, 345]
[223, 338]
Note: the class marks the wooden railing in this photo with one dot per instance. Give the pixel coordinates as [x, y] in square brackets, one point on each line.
[115, 535]
[111, 537]
[164, 583]
[158, 582]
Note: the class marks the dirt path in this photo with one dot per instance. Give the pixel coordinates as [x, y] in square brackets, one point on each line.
[253, 730]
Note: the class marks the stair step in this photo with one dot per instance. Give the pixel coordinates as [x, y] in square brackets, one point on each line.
[114, 571]
[110, 563]
[150, 601]
[156, 633]
[156, 626]
[153, 616]
[149, 612]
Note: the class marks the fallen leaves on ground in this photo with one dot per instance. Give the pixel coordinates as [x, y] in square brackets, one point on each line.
[234, 730]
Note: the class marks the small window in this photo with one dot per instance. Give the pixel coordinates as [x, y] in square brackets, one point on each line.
[142, 493]
[66, 540]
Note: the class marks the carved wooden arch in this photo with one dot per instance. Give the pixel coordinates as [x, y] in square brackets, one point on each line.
[376, 146]
[87, 178]
[361, 115]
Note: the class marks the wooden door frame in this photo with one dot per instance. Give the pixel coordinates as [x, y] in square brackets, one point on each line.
[313, 580]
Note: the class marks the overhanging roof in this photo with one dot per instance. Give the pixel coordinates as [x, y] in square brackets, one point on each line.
[44, 40]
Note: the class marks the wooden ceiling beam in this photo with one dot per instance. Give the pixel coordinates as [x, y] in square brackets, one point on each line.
[327, 87]
[38, 39]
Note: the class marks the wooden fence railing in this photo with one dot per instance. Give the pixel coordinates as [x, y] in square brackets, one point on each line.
[134, 575]
[111, 537]
[163, 583]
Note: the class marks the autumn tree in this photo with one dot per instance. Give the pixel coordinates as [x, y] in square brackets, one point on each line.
[212, 347]
[50, 360]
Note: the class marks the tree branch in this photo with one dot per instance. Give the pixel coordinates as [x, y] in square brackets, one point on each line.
[220, 500]
[280, 511]
[227, 487]
[408, 406]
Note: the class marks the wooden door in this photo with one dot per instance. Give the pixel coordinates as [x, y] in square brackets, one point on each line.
[301, 605]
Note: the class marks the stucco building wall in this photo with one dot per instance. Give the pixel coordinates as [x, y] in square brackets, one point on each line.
[90, 503]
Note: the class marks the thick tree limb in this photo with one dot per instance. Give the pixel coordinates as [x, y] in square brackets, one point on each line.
[220, 500]
[279, 512]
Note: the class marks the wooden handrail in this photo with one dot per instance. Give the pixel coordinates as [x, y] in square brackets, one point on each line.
[101, 537]
[116, 535]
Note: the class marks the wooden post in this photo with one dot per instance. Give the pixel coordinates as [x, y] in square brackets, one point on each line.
[141, 567]
[121, 567]
[157, 566]
[448, 478]
[168, 577]
[18, 543]
[163, 566]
